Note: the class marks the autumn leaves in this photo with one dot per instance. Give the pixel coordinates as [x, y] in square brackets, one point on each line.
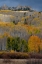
[34, 44]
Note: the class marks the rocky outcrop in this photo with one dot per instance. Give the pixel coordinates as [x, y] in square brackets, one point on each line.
[6, 18]
[23, 8]
[4, 7]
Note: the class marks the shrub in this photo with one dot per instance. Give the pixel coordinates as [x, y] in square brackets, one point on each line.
[15, 55]
[19, 55]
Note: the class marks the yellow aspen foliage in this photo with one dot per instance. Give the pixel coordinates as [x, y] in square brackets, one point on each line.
[6, 11]
[6, 24]
[1, 36]
[41, 46]
[19, 23]
[36, 19]
[34, 43]
[12, 51]
[6, 34]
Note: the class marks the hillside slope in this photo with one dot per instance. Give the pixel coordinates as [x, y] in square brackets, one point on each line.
[21, 24]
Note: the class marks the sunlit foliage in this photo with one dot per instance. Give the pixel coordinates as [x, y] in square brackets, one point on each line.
[34, 44]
